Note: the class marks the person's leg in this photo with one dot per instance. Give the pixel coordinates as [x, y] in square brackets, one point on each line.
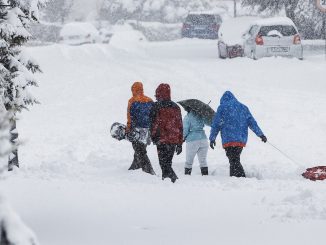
[191, 150]
[202, 156]
[161, 152]
[136, 163]
[166, 153]
[144, 161]
[236, 169]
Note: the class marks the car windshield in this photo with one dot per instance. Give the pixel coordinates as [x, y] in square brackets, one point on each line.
[285, 30]
[200, 19]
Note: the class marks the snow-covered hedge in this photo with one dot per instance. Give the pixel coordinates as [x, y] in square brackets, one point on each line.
[156, 31]
[165, 11]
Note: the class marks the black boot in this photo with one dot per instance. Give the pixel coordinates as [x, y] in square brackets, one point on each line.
[188, 171]
[204, 170]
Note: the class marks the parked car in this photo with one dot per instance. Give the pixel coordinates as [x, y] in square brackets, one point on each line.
[273, 37]
[230, 41]
[77, 33]
[201, 25]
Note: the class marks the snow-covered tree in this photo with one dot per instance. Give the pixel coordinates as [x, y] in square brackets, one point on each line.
[12, 229]
[16, 68]
[5, 144]
[15, 78]
[57, 10]
[153, 10]
[304, 13]
[274, 5]
[309, 19]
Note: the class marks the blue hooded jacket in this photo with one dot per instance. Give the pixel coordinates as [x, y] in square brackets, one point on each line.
[233, 120]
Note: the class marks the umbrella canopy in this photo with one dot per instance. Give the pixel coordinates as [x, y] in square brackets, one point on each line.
[200, 109]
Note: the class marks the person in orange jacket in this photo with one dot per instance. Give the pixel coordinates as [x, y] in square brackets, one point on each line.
[139, 108]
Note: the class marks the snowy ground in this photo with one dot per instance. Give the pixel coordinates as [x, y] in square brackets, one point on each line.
[74, 187]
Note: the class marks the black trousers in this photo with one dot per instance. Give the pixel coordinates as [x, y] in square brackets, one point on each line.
[165, 156]
[141, 159]
[236, 169]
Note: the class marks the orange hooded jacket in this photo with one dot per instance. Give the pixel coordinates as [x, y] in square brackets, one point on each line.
[139, 107]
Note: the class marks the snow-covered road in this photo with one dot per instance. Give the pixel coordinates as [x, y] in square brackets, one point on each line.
[74, 187]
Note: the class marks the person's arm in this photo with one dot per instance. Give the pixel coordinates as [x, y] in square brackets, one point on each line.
[216, 125]
[180, 125]
[253, 124]
[128, 116]
[154, 124]
[186, 127]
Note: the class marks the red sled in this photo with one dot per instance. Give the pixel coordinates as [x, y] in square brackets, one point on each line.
[315, 173]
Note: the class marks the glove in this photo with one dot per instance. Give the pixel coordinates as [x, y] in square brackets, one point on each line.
[212, 144]
[178, 149]
[263, 138]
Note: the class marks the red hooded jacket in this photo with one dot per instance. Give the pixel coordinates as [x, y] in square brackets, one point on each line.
[166, 118]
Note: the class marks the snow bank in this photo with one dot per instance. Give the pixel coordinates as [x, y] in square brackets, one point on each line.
[156, 31]
[125, 37]
[77, 29]
[74, 176]
[16, 231]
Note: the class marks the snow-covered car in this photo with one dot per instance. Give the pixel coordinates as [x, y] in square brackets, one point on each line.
[230, 40]
[202, 25]
[77, 33]
[273, 37]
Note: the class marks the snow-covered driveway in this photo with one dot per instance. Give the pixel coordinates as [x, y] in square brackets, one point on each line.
[74, 187]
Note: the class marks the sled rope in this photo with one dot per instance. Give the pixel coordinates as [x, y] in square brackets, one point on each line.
[284, 154]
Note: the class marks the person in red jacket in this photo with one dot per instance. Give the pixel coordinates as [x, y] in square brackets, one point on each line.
[166, 129]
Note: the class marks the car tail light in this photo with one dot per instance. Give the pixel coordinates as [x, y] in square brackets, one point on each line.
[297, 39]
[259, 40]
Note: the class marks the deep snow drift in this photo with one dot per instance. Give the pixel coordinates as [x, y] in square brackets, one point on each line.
[74, 187]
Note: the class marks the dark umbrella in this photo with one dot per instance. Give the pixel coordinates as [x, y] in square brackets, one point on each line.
[199, 108]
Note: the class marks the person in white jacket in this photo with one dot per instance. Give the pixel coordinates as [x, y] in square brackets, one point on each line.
[196, 142]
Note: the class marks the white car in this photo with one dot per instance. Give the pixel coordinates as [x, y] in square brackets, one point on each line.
[230, 40]
[77, 33]
[273, 37]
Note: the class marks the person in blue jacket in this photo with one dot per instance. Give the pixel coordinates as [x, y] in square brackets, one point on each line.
[233, 119]
[196, 139]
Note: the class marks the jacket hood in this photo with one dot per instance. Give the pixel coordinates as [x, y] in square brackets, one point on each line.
[163, 92]
[137, 89]
[227, 97]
